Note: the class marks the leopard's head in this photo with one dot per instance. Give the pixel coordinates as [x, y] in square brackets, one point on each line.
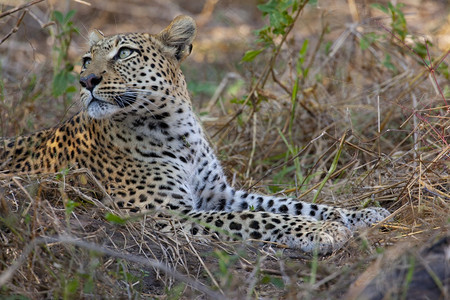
[136, 73]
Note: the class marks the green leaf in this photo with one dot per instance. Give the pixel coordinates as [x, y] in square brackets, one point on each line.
[388, 64]
[409, 275]
[236, 100]
[115, 219]
[444, 70]
[391, 7]
[364, 43]
[302, 54]
[62, 82]
[58, 17]
[421, 49]
[295, 5]
[223, 267]
[27, 219]
[63, 172]
[71, 287]
[176, 292]
[279, 12]
[71, 89]
[69, 16]
[380, 7]
[302, 51]
[269, 7]
[59, 84]
[265, 280]
[278, 282]
[251, 55]
[367, 39]
[89, 285]
[283, 6]
[328, 47]
[70, 206]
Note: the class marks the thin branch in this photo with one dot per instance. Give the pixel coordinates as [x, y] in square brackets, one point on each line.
[283, 39]
[13, 10]
[65, 239]
[265, 74]
[16, 28]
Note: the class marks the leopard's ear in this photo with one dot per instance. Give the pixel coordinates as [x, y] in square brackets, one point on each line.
[177, 38]
[94, 37]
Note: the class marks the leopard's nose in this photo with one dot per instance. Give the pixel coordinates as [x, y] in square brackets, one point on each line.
[91, 81]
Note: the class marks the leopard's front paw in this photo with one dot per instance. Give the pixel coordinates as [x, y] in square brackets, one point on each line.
[363, 218]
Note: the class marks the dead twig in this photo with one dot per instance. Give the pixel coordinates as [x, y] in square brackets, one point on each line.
[15, 28]
[13, 10]
[65, 239]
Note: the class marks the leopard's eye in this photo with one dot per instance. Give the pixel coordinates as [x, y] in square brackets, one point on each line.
[124, 53]
[86, 62]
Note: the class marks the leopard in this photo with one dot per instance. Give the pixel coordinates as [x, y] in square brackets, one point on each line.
[139, 136]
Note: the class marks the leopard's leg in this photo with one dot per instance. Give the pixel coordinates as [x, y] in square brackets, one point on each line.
[241, 201]
[364, 217]
[351, 219]
[297, 232]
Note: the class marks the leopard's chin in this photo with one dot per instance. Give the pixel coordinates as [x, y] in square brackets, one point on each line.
[99, 109]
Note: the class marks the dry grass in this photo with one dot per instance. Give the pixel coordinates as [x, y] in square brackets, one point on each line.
[390, 127]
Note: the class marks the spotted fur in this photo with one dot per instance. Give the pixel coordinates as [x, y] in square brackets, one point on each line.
[138, 135]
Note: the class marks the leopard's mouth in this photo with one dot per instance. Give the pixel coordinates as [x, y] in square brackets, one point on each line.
[98, 101]
[122, 101]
